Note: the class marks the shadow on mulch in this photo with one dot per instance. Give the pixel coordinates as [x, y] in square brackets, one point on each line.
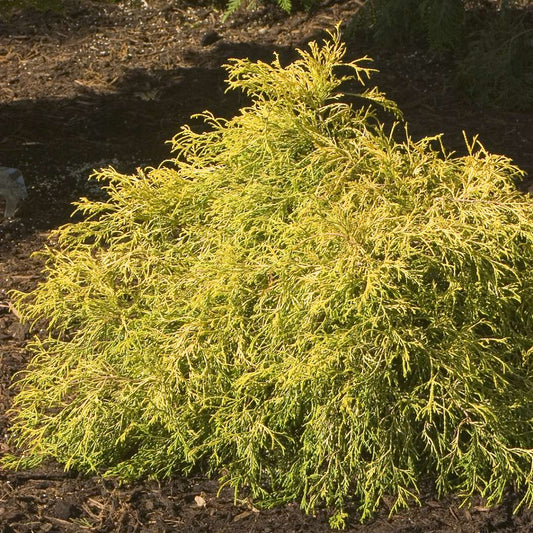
[47, 137]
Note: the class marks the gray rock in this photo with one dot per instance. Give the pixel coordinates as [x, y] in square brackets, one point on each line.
[12, 189]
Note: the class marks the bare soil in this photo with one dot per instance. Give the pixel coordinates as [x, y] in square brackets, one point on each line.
[106, 84]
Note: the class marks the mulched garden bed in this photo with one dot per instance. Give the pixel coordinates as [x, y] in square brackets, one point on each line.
[105, 84]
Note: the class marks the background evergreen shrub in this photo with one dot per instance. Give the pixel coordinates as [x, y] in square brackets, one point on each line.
[296, 302]
[488, 42]
[286, 5]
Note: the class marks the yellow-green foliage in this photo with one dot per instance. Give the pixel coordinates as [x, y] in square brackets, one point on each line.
[297, 301]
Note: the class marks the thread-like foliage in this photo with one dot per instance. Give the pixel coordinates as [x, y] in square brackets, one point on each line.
[298, 302]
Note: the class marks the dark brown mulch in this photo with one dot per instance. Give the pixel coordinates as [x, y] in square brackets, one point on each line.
[106, 84]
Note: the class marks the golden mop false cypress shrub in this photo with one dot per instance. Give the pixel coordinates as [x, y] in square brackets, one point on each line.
[296, 300]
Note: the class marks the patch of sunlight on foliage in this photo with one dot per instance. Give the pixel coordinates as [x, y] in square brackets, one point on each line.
[297, 301]
[233, 5]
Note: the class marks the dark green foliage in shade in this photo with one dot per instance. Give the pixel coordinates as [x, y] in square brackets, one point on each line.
[498, 66]
[489, 44]
[297, 302]
[439, 24]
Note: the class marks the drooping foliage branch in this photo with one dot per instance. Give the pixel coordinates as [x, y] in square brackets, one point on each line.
[297, 302]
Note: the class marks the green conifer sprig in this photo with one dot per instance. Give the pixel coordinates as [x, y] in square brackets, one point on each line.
[233, 5]
[297, 302]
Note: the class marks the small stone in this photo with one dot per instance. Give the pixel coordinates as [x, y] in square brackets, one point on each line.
[12, 189]
[200, 501]
[210, 37]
